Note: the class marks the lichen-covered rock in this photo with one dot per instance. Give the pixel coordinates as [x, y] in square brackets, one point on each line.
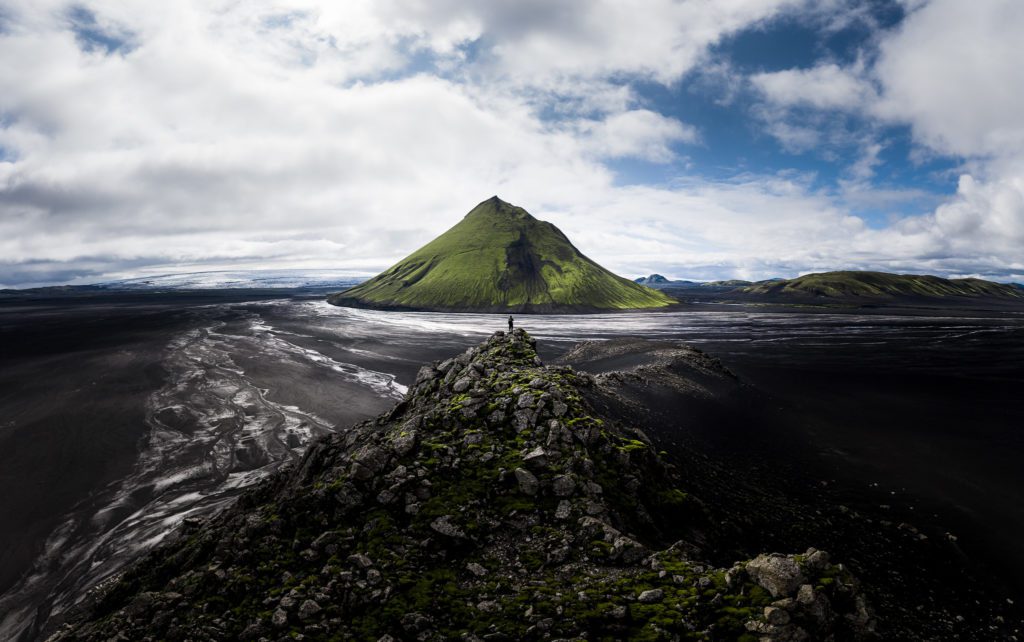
[778, 574]
[651, 595]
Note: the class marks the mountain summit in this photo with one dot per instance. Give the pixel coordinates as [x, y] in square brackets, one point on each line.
[499, 258]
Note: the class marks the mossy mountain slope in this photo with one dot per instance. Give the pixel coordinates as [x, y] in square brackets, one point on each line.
[882, 285]
[492, 503]
[499, 258]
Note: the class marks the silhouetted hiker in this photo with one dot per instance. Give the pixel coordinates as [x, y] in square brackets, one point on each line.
[510, 324]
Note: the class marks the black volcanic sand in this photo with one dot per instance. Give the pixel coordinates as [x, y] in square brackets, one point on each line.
[848, 424]
[771, 488]
[73, 386]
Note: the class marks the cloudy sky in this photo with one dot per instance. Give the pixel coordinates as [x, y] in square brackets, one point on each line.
[696, 138]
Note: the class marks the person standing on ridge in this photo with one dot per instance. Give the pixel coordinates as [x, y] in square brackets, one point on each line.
[510, 324]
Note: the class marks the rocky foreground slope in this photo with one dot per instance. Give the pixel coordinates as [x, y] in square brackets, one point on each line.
[492, 503]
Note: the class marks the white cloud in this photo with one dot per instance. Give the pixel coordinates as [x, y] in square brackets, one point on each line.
[296, 130]
[547, 41]
[345, 134]
[826, 86]
[808, 109]
[952, 71]
[639, 133]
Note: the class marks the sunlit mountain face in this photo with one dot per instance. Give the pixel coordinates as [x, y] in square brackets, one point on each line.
[499, 258]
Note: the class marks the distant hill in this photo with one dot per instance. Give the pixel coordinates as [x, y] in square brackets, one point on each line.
[658, 282]
[653, 279]
[499, 258]
[881, 285]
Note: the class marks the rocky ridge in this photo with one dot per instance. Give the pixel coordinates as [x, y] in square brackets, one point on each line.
[492, 503]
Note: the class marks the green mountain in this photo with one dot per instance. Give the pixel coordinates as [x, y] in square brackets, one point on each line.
[499, 258]
[882, 285]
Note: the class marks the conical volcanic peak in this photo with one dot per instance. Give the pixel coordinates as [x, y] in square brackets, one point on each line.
[495, 207]
[499, 258]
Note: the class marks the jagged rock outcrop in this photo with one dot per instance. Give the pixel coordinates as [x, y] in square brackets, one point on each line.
[492, 503]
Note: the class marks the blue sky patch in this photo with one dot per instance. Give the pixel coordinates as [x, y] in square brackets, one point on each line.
[92, 36]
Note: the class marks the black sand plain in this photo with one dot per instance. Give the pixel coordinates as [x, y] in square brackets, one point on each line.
[892, 438]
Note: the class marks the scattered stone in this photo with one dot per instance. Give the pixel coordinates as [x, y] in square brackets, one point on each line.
[495, 418]
[627, 550]
[777, 574]
[444, 526]
[476, 569]
[536, 458]
[528, 483]
[564, 510]
[563, 485]
[651, 595]
[816, 560]
[370, 460]
[815, 604]
[279, 619]
[308, 609]
[776, 616]
[404, 442]
[361, 560]
[523, 420]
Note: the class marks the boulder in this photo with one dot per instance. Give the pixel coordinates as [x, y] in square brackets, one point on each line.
[308, 609]
[563, 485]
[652, 595]
[778, 574]
[528, 483]
[536, 458]
[404, 442]
[279, 619]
